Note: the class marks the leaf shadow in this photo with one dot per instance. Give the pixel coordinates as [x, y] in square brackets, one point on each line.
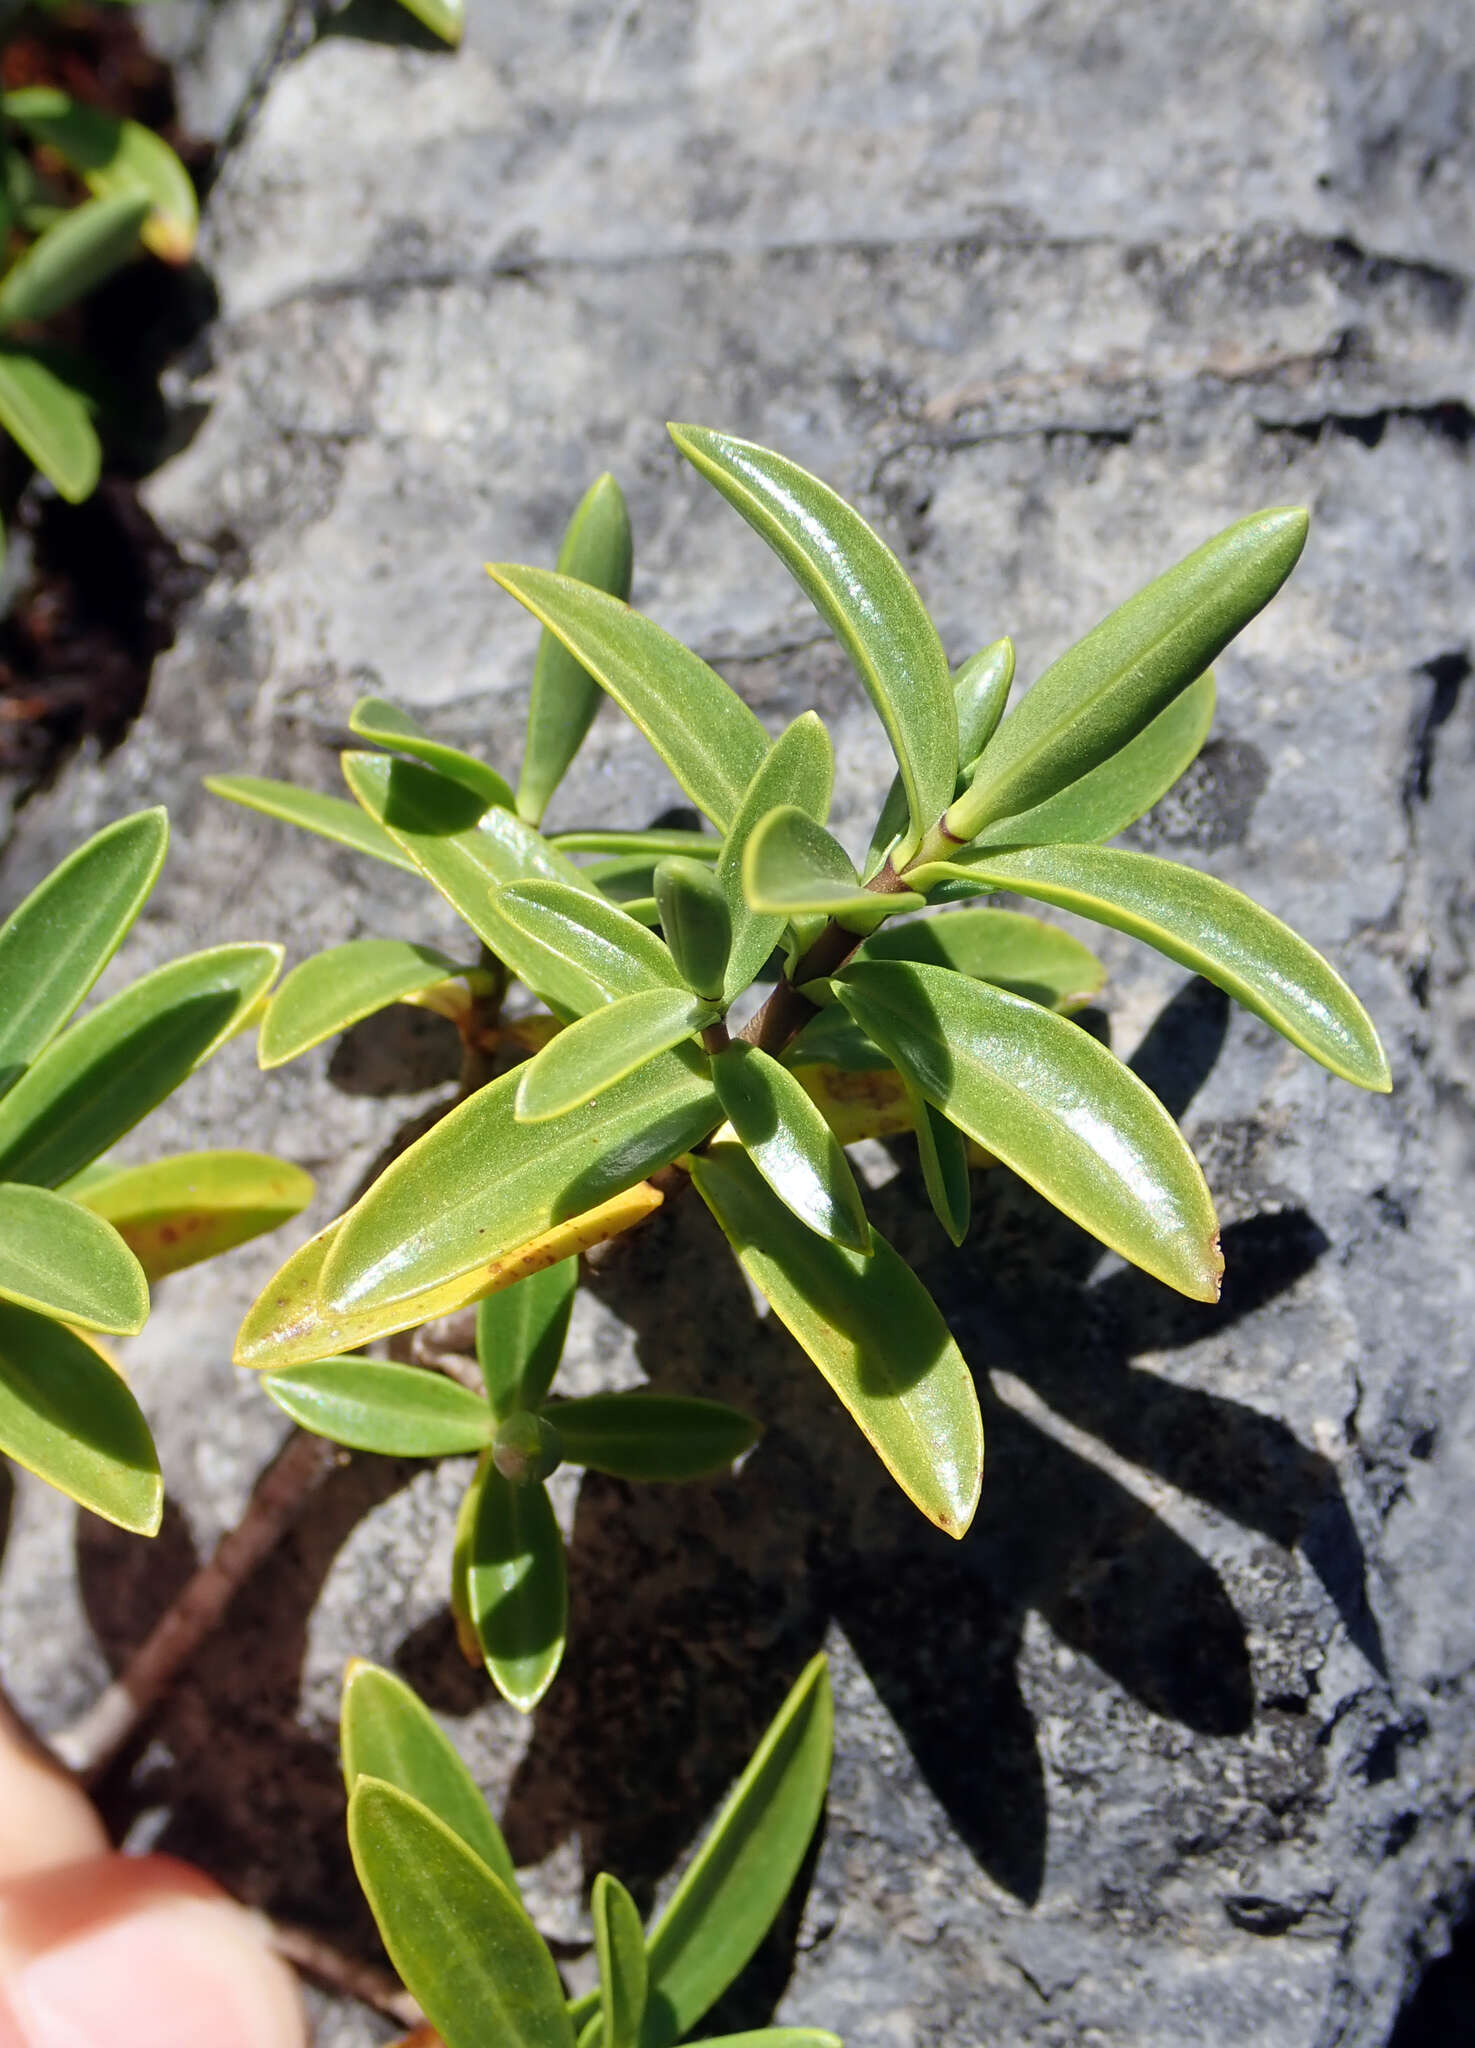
[693, 1609]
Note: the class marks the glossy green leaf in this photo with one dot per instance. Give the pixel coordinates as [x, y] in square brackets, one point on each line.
[54, 945]
[619, 1943]
[326, 994]
[123, 1058]
[115, 157]
[599, 1050]
[639, 1435]
[773, 2037]
[1023, 954]
[731, 1892]
[1101, 694]
[67, 1416]
[655, 842]
[980, 691]
[386, 725]
[444, 18]
[596, 550]
[798, 770]
[51, 422]
[387, 1733]
[63, 1261]
[288, 1324]
[793, 867]
[62, 265]
[458, 1937]
[520, 1335]
[1044, 1097]
[328, 816]
[695, 922]
[702, 730]
[437, 1212]
[834, 1039]
[1212, 929]
[175, 1212]
[460, 1594]
[468, 852]
[1127, 784]
[400, 1411]
[790, 1144]
[597, 941]
[518, 1582]
[864, 595]
[871, 1328]
[943, 1153]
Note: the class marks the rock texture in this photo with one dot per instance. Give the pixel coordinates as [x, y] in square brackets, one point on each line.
[1178, 1746]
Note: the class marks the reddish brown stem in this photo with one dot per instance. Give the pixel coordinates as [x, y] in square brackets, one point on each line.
[89, 1746]
[787, 1011]
[347, 1975]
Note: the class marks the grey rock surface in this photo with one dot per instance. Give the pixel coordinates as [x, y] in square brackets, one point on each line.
[1177, 1747]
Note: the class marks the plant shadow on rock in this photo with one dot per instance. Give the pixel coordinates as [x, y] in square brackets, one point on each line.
[692, 1610]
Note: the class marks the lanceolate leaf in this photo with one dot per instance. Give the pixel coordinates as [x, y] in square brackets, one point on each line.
[612, 954]
[175, 1212]
[386, 1733]
[328, 816]
[287, 1324]
[654, 843]
[457, 1936]
[55, 944]
[369, 1404]
[386, 725]
[695, 922]
[115, 156]
[790, 1144]
[1110, 685]
[520, 1335]
[596, 550]
[67, 1416]
[793, 867]
[78, 251]
[980, 692]
[702, 730]
[468, 853]
[599, 1050]
[871, 1328]
[437, 1212]
[943, 1152]
[120, 1061]
[1049, 1101]
[798, 770]
[619, 1942]
[863, 593]
[51, 422]
[326, 994]
[733, 1889]
[518, 1582]
[1213, 929]
[1023, 954]
[65, 1262]
[651, 1436]
[1115, 794]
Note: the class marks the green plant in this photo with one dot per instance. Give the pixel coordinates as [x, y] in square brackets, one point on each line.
[81, 1239]
[139, 194]
[509, 1589]
[441, 1884]
[642, 1083]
